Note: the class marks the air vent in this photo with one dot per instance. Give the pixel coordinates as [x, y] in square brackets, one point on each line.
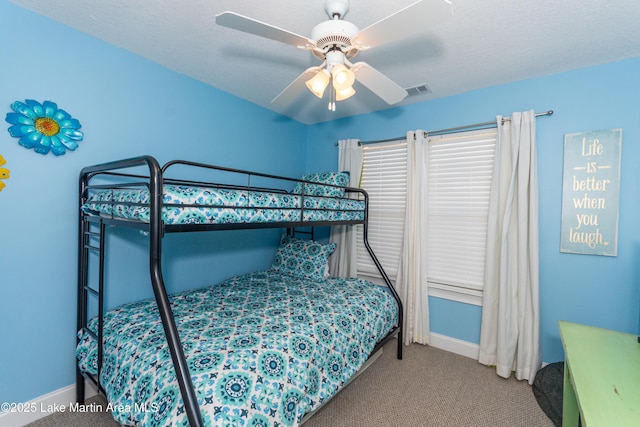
[418, 90]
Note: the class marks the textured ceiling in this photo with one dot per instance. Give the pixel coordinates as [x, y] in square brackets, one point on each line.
[486, 43]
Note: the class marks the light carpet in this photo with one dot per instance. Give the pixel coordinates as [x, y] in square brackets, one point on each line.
[428, 387]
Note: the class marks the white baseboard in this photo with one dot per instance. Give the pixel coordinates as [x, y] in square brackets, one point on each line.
[28, 412]
[454, 345]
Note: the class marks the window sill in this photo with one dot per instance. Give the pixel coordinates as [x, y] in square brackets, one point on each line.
[455, 293]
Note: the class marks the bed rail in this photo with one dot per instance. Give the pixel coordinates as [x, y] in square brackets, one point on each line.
[115, 202]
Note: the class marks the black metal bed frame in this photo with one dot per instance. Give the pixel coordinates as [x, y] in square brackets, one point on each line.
[91, 238]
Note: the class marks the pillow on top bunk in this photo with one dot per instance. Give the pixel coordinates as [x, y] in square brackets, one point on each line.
[334, 178]
[306, 259]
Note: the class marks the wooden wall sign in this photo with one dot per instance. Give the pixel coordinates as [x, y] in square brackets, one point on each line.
[591, 192]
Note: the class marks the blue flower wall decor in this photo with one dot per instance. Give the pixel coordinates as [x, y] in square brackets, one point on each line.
[44, 127]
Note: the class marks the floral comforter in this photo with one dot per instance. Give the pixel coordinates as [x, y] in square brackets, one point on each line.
[204, 205]
[263, 349]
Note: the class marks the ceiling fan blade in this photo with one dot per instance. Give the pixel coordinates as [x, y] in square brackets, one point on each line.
[255, 27]
[405, 22]
[378, 83]
[291, 92]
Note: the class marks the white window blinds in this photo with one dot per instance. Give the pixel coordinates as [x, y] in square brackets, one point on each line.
[384, 177]
[460, 169]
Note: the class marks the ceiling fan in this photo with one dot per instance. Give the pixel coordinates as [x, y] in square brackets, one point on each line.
[336, 41]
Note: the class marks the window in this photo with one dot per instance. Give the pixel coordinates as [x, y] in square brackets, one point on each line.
[460, 169]
[384, 177]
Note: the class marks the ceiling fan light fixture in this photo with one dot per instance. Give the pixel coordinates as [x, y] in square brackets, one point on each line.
[343, 77]
[343, 94]
[318, 83]
[335, 41]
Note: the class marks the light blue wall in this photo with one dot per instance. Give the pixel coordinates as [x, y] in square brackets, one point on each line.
[467, 319]
[127, 106]
[595, 290]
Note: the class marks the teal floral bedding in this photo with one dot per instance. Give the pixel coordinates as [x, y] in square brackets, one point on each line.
[206, 205]
[263, 349]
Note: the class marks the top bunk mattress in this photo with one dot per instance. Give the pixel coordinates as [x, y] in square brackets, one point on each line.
[185, 204]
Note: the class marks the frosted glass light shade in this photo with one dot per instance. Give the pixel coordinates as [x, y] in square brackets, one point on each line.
[343, 94]
[343, 77]
[318, 83]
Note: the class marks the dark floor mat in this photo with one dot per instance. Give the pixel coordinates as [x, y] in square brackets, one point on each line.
[547, 388]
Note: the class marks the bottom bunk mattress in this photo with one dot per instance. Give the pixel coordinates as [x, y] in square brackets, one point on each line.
[263, 349]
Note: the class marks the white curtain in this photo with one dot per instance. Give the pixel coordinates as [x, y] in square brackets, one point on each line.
[509, 335]
[411, 282]
[344, 261]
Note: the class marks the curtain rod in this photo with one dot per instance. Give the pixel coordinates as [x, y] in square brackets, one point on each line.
[478, 126]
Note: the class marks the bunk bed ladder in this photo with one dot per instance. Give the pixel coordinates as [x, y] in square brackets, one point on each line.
[91, 241]
[88, 236]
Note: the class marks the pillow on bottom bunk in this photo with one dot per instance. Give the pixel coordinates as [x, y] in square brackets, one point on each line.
[306, 259]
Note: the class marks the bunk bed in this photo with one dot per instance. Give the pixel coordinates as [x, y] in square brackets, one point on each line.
[204, 357]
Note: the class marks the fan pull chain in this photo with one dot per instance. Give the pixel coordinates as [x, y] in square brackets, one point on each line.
[332, 98]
